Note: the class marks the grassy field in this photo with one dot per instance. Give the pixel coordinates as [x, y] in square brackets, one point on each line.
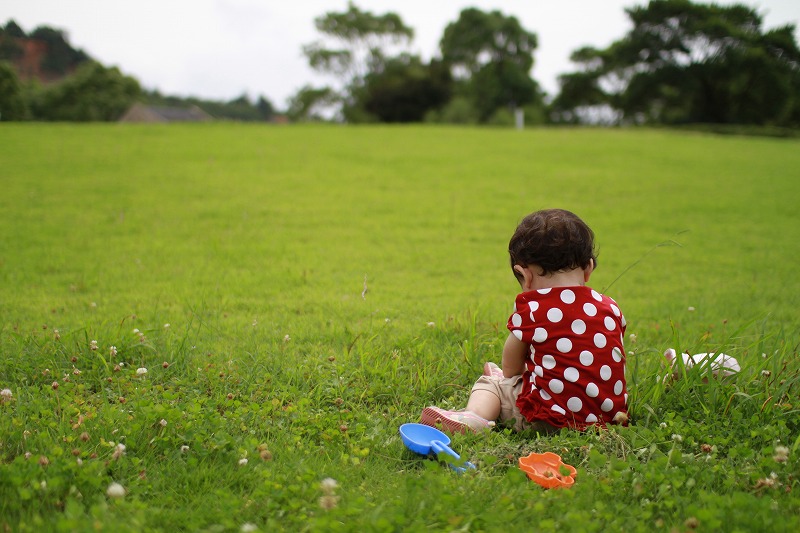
[297, 293]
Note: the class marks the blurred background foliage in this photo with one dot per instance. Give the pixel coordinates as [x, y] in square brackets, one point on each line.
[681, 63]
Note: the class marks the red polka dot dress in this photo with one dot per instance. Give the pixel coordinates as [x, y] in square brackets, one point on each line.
[575, 373]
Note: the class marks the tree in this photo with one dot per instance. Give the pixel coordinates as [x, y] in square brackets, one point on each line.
[12, 29]
[60, 58]
[405, 90]
[9, 47]
[12, 100]
[685, 62]
[265, 109]
[310, 104]
[361, 41]
[93, 93]
[493, 55]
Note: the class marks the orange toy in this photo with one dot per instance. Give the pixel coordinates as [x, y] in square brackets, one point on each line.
[546, 470]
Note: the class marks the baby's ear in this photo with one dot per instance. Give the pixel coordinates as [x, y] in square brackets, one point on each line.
[527, 277]
[587, 272]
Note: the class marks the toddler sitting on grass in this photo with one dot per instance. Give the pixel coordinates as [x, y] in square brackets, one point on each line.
[563, 362]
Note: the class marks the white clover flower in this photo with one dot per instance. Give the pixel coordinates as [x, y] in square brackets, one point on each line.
[328, 485]
[247, 527]
[6, 395]
[135, 331]
[329, 502]
[93, 345]
[115, 490]
[632, 337]
[781, 454]
[163, 423]
[166, 326]
[184, 449]
[112, 351]
[56, 334]
[286, 338]
[677, 438]
[431, 324]
[119, 451]
[690, 308]
[141, 371]
[663, 425]
[243, 461]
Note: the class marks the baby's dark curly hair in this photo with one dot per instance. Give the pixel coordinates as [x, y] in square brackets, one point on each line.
[554, 240]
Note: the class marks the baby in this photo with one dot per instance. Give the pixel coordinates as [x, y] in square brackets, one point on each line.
[563, 362]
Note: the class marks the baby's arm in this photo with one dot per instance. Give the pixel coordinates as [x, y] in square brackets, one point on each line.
[514, 353]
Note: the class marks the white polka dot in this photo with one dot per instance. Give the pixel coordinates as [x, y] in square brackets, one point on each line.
[591, 419]
[571, 374]
[587, 358]
[618, 387]
[556, 386]
[517, 333]
[589, 309]
[596, 295]
[605, 372]
[516, 320]
[578, 327]
[533, 305]
[616, 354]
[592, 391]
[545, 396]
[600, 340]
[624, 323]
[607, 405]
[533, 319]
[539, 371]
[555, 315]
[558, 409]
[549, 362]
[564, 345]
[626, 398]
[574, 404]
[615, 309]
[544, 291]
[539, 335]
[567, 296]
[609, 323]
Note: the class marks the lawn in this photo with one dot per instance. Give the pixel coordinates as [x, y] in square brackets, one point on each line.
[223, 318]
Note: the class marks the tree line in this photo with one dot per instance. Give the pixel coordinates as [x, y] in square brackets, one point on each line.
[680, 63]
[42, 77]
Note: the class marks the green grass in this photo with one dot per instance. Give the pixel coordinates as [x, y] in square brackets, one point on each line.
[255, 245]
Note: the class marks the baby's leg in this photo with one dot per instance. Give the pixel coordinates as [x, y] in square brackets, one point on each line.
[482, 410]
[484, 403]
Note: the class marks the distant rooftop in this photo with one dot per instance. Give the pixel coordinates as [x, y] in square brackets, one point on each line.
[146, 113]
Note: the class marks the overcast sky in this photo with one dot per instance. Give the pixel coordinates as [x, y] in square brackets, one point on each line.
[220, 49]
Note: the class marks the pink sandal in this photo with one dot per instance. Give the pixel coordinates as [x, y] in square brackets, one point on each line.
[454, 421]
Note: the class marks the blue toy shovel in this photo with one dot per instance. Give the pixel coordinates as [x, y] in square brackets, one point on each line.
[423, 439]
